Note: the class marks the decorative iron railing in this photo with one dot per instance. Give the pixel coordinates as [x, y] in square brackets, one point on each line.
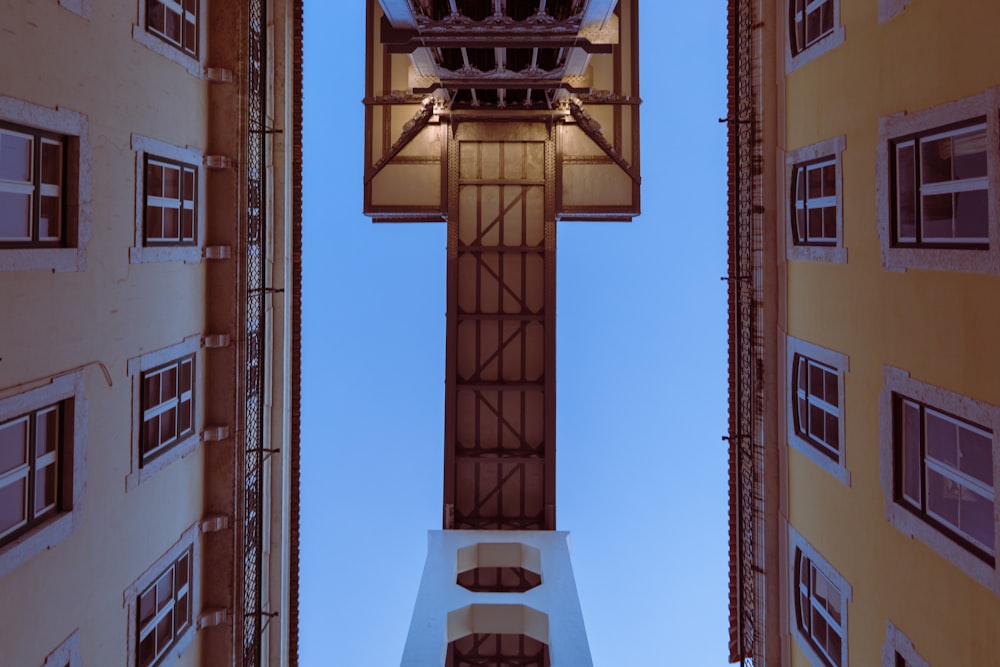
[255, 242]
[746, 334]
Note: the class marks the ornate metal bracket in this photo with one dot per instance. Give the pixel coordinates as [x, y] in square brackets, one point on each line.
[592, 129]
[411, 129]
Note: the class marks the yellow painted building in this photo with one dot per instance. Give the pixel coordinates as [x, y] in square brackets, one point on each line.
[149, 231]
[865, 253]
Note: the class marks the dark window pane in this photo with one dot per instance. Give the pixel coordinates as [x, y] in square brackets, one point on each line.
[830, 180]
[46, 431]
[45, 488]
[935, 160]
[977, 517]
[171, 182]
[976, 455]
[152, 391]
[147, 650]
[942, 439]
[13, 444]
[972, 215]
[154, 180]
[15, 216]
[12, 505]
[170, 224]
[165, 631]
[151, 434]
[186, 368]
[51, 163]
[187, 225]
[911, 452]
[970, 154]
[168, 425]
[815, 223]
[154, 222]
[942, 497]
[188, 185]
[815, 183]
[832, 430]
[50, 218]
[147, 607]
[937, 216]
[15, 157]
[905, 193]
[168, 383]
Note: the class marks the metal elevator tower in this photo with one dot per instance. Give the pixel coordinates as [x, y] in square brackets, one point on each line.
[500, 118]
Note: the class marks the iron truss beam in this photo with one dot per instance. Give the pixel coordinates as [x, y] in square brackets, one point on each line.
[408, 41]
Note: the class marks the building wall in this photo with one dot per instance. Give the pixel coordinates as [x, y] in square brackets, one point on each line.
[935, 324]
[83, 56]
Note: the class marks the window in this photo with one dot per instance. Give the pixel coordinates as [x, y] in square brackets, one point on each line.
[811, 21]
[941, 190]
[165, 420]
[170, 202]
[814, 202]
[937, 182]
[938, 458]
[815, 211]
[167, 192]
[31, 187]
[164, 611]
[944, 472]
[820, 596]
[162, 603]
[167, 406]
[173, 29]
[898, 650]
[813, 29]
[176, 22]
[816, 405]
[44, 187]
[31, 447]
[42, 455]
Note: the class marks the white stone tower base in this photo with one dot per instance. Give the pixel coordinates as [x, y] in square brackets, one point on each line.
[446, 611]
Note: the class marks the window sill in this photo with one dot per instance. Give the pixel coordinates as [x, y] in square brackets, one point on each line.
[32, 543]
[50, 259]
[157, 45]
[150, 254]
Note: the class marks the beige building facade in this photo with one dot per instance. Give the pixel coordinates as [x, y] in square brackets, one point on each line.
[149, 276]
[865, 427]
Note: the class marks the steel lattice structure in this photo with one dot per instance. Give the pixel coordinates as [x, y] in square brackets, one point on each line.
[746, 339]
[251, 501]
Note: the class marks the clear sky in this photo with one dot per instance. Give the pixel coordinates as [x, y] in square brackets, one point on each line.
[641, 372]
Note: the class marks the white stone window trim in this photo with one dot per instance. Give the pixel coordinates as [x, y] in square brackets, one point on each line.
[903, 124]
[836, 254]
[130, 598]
[841, 363]
[897, 642]
[798, 544]
[194, 66]
[67, 653]
[135, 367]
[64, 523]
[140, 253]
[897, 381]
[816, 49]
[75, 127]
[890, 9]
[79, 7]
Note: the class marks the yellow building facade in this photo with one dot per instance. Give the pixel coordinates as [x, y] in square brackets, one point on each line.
[149, 222]
[865, 427]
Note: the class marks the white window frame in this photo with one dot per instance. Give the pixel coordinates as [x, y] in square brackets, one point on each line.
[139, 471]
[797, 544]
[897, 381]
[840, 363]
[836, 253]
[194, 66]
[890, 9]
[829, 41]
[897, 642]
[904, 124]
[77, 189]
[67, 653]
[61, 525]
[140, 253]
[189, 539]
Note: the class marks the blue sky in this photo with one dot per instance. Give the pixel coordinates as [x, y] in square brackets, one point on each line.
[641, 372]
